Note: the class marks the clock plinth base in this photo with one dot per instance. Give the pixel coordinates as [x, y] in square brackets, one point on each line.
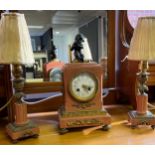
[141, 119]
[83, 118]
[17, 132]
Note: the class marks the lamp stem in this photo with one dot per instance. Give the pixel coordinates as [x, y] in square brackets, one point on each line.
[18, 85]
[142, 77]
[18, 82]
[142, 97]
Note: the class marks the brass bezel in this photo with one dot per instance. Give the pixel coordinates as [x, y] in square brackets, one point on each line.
[83, 99]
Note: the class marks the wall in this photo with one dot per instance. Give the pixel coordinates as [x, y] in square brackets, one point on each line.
[90, 31]
[47, 42]
[61, 47]
[46, 39]
[62, 42]
[37, 40]
[44, 42]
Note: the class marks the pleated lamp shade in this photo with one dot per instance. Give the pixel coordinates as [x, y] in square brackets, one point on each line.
[15, 42]
[142, 45]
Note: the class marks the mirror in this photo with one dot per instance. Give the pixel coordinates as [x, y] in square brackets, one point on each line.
[51, 28]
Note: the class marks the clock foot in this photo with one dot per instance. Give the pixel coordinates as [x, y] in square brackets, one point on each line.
[106, 127]
[15, 141]
[133, 126]
[62, 131]
[35, 136]
[153, 126]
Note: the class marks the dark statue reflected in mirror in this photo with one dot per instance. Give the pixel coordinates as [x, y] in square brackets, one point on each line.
[77, 46]
[53, 34]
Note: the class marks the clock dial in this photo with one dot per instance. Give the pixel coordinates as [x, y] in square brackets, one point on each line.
[83, 86]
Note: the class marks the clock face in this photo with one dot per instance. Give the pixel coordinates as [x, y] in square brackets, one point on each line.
[83, 86]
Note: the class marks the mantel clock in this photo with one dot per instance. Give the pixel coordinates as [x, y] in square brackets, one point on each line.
[83, 101]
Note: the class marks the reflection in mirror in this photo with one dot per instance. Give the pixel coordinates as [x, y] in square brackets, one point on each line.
[54, 32]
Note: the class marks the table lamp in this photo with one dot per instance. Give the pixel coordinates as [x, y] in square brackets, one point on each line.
[16, 49]
[142, 49]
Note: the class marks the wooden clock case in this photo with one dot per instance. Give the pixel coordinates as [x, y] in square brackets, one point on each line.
[75, 113]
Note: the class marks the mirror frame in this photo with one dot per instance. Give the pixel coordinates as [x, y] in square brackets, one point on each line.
[58, 86]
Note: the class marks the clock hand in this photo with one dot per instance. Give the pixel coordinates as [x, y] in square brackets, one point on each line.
[86, 87]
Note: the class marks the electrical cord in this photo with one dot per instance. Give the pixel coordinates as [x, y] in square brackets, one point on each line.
[10, 101]
[106, 91]
[105, 94]
[27, 102]
[151, 106]
[44, 99]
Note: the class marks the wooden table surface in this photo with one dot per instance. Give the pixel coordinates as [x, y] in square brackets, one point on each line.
[120, 132]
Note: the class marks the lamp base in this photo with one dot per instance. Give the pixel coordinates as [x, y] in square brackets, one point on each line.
[17, 132]
[141, 119]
